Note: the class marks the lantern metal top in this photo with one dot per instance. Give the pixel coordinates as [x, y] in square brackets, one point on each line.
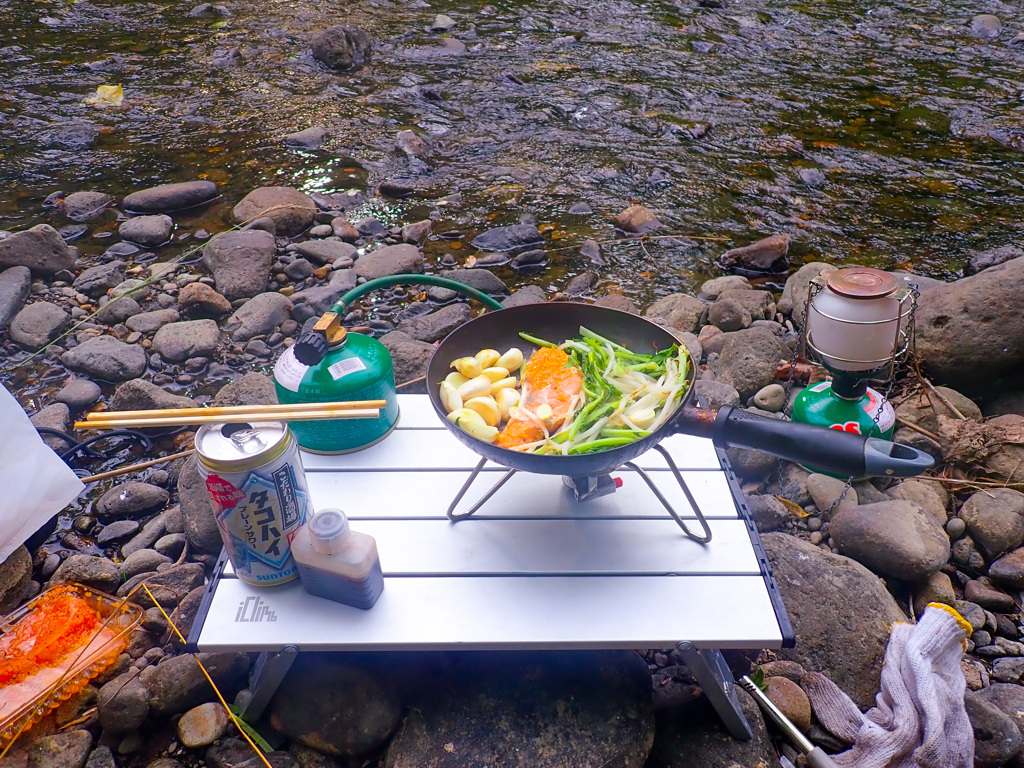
[862, 283]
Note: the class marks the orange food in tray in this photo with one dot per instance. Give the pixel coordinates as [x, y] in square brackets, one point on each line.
[549, 381]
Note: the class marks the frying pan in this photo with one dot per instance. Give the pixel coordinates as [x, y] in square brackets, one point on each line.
[838, 452]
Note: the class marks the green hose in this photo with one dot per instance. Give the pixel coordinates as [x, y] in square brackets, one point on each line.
[386, 282]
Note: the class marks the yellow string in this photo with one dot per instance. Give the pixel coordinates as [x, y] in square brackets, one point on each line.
[210, 679]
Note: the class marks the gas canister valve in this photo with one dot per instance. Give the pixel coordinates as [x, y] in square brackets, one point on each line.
[311, 347]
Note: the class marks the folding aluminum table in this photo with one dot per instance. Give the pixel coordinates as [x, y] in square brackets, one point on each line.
[533, 569]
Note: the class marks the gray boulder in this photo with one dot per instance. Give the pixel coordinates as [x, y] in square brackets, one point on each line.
[130, 499]
[181, 341]
[716, 393]
[177, 684]
[729, 315]
[96, 572]
[15, 574]
[309, 138]
[511, 238]
[749, 360]
[830, 494]
[979, 261]
[62, 750]
[142, 395]
[528, 294]
[117, 310]
[123, 704]
[538, 710]
[996, 737]
[841, 614]
[79, 394]
[151, 322]
[794, 295]
[40, 248]
[970, 333]
[142, 561]
[38, 324]
[390, 260]
[766, 255]
[107, 359]
[198, 300]
[1008, 699]
[167, 198]
[240, 262]
[15, 286]
[200, 524]
[56, 416]
[291, 210]
[251, 389]
[147, 231]
[168, 586]
[84, 206]
[481, 279]
[893, 538]
[342, 47]
[96, 281]
[637, 220]
[436, 325]
[924, 409]
[259, 316]
[716, 285]
[995, 519]
[322, 297]
[1008, 570]
[409, 357]
[324, 251]
[677, 312]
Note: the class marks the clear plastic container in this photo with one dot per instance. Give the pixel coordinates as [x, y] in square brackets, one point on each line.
[337, 563]
[55, 644]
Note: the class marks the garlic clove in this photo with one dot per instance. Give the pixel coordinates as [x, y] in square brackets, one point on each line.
[469, 367]
[464, 416]
[507, 399]
[456, 379]
[488, 409]
[503, 384]
[477, 387]
[451, 400]
[494, 374]
[511, 360]
[488, 357]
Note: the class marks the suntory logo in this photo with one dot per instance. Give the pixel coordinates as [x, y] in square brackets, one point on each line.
[254, 609]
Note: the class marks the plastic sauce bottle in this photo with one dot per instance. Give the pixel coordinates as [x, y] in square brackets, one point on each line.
[337, 563]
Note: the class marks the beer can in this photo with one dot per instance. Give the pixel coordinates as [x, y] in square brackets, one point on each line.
[258, 490]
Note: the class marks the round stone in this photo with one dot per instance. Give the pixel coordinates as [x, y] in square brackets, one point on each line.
[202, 725]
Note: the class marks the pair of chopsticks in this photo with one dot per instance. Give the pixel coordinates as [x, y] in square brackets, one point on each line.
[177, 417]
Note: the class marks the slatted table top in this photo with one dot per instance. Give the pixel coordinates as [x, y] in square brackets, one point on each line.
[533, 569]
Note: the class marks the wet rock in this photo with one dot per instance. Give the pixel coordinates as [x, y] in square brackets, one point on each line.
[812, 177]
[417, 232]
[200, 524]
[581, 283]
[123, 704]
[991, 258]
[202, 725]
[167, 198]
[971, 331]
[309, 138]
[637, 220]
[85, 206]
[619, 302]
[117, 310]
[324, 251]
[529, 262]
[145, 538]
[291, 210]
[40, 248]
[937, 589]
[251, 389]
[995, 519]
[15, 286]
[986, 25]
[716, 393]
[589, 708]
[342, 47]
[692, 736]
[794, 295]
[107, 359]
[676, 312]
[142, 395]
[840, 611]
[768, 512]
[827, 490]
[508, 239]
[147, 231]
[771, 398]
[198, 300]
[186, 611]
[62, 750]
[298, 270]
[528, 294]
[996, 738]
[240, 262]
[56, 416]
[481, 279]
[1008, 570]
[390, 260]
[766, 255]
[168, 586]
[96, 281]
[130, 499]
[436, 325]
[791, 699]
[729, 315]
[893, 538]
[118, 529]
[101, 757]
[259, 316]
[142, 561]
[96, 572]
[79, 394]
[749, 360]
[180, 341]
[15, 574]
[321, 298]
[72, 135]
[177, 684]
[344, 229]
[150, 322]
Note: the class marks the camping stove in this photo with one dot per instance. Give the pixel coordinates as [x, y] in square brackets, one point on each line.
[587, 488]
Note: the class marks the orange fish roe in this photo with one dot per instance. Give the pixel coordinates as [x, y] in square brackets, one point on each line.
[548, 379]
[63, 624]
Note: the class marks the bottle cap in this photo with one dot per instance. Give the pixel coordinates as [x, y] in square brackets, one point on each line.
[327, 530]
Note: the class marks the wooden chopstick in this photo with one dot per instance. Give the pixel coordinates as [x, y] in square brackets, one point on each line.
[282, 414]
[229, 410]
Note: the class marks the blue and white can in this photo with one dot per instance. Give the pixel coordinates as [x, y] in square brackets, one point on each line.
[258, 490]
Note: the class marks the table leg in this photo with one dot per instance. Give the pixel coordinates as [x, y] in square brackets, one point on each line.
[267, 675]
[716, 680]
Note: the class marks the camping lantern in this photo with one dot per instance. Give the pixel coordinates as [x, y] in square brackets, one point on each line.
[858, 323]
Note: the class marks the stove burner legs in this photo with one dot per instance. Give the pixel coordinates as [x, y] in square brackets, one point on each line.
[586, 488]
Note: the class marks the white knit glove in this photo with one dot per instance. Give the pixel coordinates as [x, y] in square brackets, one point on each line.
[919, 720]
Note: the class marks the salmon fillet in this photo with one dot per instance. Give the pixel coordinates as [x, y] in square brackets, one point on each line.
[547, 380]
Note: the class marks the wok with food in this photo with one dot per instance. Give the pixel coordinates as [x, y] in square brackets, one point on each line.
[576, 389]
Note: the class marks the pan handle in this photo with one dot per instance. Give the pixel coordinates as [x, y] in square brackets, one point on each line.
[841, 453]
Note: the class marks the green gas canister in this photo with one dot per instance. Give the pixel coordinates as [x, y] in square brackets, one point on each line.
[328, 365]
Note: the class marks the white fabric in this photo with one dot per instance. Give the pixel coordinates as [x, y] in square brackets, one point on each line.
[919, 720]
[34, 483]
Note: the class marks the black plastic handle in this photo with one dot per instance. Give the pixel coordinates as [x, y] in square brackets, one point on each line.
[841, 453]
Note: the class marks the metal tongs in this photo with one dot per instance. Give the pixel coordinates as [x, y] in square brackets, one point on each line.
[815, 756]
